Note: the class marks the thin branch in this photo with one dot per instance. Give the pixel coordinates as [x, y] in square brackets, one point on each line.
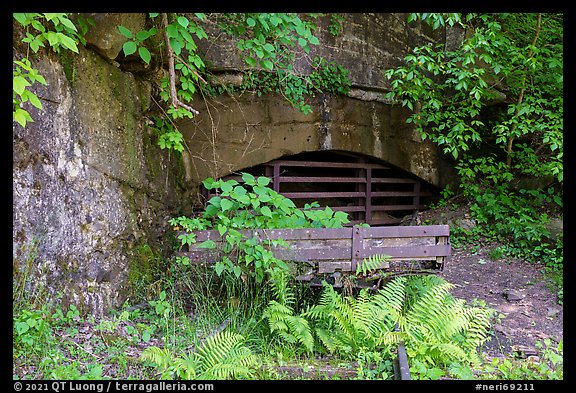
[173, 95]
[191, 69]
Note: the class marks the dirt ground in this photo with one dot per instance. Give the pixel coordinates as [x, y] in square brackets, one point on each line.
[515, 288]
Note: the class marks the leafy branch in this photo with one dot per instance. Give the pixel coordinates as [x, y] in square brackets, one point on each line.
[173, 95]
[59, 32]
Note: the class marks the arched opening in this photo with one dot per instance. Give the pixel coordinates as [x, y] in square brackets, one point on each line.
[369, 190]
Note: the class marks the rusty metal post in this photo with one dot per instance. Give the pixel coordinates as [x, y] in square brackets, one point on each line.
[401, 369]
[276, 181]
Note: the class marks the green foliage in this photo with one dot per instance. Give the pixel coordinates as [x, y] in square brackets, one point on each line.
[135, 42]
[325, 77]
[56, 29]
[270, 39]
[223, 356]
[550, 365]
[335, 27]
[31, 327]
[270, 42]
[292, 329]
[347, 325]
[371, 264]
[251, 205]
[374, 365]
[454, 101]
[437, 329]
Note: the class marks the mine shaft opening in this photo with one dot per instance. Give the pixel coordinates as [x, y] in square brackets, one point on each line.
[371, 191]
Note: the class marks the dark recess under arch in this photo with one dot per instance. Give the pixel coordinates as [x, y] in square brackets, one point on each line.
[369, 190]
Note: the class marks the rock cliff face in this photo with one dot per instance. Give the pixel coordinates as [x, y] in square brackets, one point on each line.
[93, 189]
[89, 184]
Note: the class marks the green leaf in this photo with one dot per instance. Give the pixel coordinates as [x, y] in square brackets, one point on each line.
[125, 32]
[20, 17]
[40, 78]
[219, 267]
[129, 48]
[176, 46]
[52, 37]
[68, 23]
[251, 22]
[34, 100]
[183, 21]
[22, 116]
[19, 84]
[265, 210]
[144, 54]
[153, 14]
[237, 271]
[269, 47]
[172, 31]
[226, 204]
[22, 327]
[267, 64]
[313, 40]
[68, 42]
[248, 179]
[210, 183]
[207, 244]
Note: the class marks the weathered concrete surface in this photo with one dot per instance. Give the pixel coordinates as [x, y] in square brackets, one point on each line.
[89, 183]
[369, 44]
[247, 130]
[241, 131]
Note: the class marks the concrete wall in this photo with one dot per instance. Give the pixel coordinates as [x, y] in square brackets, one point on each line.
[239, 131]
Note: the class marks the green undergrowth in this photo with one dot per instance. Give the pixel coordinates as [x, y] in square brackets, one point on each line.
[248, 318]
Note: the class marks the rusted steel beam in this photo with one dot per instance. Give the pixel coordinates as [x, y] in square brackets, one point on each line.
[393, 180]
[393, 193]
[308, 195]
[369, 195]
[320, 164]
[403, 366]
[321, 179]
[396, 207]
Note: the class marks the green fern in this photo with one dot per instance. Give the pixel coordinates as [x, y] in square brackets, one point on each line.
[440, 327]
[435, 326]
[223, 356]
[293, 329]
[346, 325]
[371, 264]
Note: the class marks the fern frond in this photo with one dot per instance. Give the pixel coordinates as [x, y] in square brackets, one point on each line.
[371, 264]
[224, 356]
[392, 297]
[186, 367]
[160, 356]
[291, 328]
[441, 327]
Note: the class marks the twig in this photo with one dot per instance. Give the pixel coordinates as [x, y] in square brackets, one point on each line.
[173, 95]
[191, 69]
